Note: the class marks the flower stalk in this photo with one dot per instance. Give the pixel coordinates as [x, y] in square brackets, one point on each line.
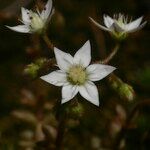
[60, 133]
[48, 42]
[111, 55]
[61, 116]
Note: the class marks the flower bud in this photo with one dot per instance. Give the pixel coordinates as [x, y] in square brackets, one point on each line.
[33, 68]
[126, 92]
[40, 62]
[76, 110]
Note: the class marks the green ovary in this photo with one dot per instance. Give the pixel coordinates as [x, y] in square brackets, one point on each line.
[77, 75]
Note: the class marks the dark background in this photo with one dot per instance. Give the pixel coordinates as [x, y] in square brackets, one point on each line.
[68, 29]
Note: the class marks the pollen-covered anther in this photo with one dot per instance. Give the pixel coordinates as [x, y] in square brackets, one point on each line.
[77, 75]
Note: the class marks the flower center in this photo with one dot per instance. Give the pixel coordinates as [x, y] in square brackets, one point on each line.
[121, 20]
[77, 75]
[37, 23]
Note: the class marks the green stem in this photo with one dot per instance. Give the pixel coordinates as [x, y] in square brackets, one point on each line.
[60, 133]
[48, 42]
[61, 116]
[111, 55]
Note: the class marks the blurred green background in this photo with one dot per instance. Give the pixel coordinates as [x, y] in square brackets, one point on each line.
[25, 101]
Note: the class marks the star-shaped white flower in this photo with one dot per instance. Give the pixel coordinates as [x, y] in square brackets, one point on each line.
[76, 75]
[120, 25]
[34, 21]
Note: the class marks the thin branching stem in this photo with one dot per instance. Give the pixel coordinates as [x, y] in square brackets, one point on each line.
[111, 55]
[60, 133]
[61, 116]
[48, 42]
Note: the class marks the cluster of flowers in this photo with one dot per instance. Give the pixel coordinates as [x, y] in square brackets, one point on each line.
[76, 74]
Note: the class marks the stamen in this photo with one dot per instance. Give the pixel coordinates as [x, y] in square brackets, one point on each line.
[130, 19]
[38, 12]
[77, 75]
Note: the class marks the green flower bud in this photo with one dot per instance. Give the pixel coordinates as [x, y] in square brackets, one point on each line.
[75, 111]
[78, 110]
[41, 61]
[126, 92]
[32, 70]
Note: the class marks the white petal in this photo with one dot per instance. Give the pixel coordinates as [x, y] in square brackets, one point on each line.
[98, 71]
[89, 91]
[134, 24]
[25, 15]
[57, 78]
[138, 28]
[108, 21]
[50, 16]
[64, 60]
[20, 28]
[83, 55]
[47, 10]
[98, 25]
[68, 92]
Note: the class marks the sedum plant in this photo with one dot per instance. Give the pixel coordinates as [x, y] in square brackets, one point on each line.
[76, 75]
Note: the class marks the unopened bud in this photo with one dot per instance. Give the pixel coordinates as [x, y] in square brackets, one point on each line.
[126, 92]
[75, 111]
[115, 82]
[33, 68]
[41, 61]
[78, 110]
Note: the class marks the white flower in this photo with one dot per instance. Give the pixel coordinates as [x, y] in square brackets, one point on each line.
[120, 25]
[34, 21]
[76, 75]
